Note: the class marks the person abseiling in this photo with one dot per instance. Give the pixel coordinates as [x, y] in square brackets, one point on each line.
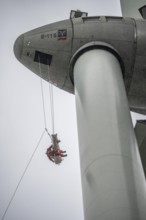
[54, 152]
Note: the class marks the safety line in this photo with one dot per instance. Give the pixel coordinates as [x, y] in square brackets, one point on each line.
[51, 98]
[53, 124]
[52, 105]
[45, 123]
[51, 101]
[48, 133]
[23, 174]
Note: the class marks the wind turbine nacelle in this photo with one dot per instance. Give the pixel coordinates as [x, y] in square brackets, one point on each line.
[57, 46]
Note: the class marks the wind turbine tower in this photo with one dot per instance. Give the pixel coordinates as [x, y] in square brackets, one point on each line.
[102, 61]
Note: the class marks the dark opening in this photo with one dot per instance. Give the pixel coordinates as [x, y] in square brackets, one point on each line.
[43, 58]
[77, 14]
[141, 121]
[143, 11]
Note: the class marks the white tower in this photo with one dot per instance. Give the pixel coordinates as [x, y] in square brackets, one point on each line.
[113, 182]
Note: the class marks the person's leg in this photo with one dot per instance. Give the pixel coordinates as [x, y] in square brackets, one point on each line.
[63, 155]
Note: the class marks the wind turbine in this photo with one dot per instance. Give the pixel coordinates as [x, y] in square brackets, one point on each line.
[102, 61]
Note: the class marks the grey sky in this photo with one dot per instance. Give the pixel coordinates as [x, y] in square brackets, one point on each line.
[47, 191]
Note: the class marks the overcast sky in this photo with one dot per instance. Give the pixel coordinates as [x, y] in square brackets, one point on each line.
[46, 191]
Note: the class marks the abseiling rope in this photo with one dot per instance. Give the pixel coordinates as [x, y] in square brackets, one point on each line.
[51, 99]
[45, 123]
[22, 176]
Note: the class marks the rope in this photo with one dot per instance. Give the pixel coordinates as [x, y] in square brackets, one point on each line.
[48, 133]
[51, 101]
[23, 174]
[52, 106]
[45, 123]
